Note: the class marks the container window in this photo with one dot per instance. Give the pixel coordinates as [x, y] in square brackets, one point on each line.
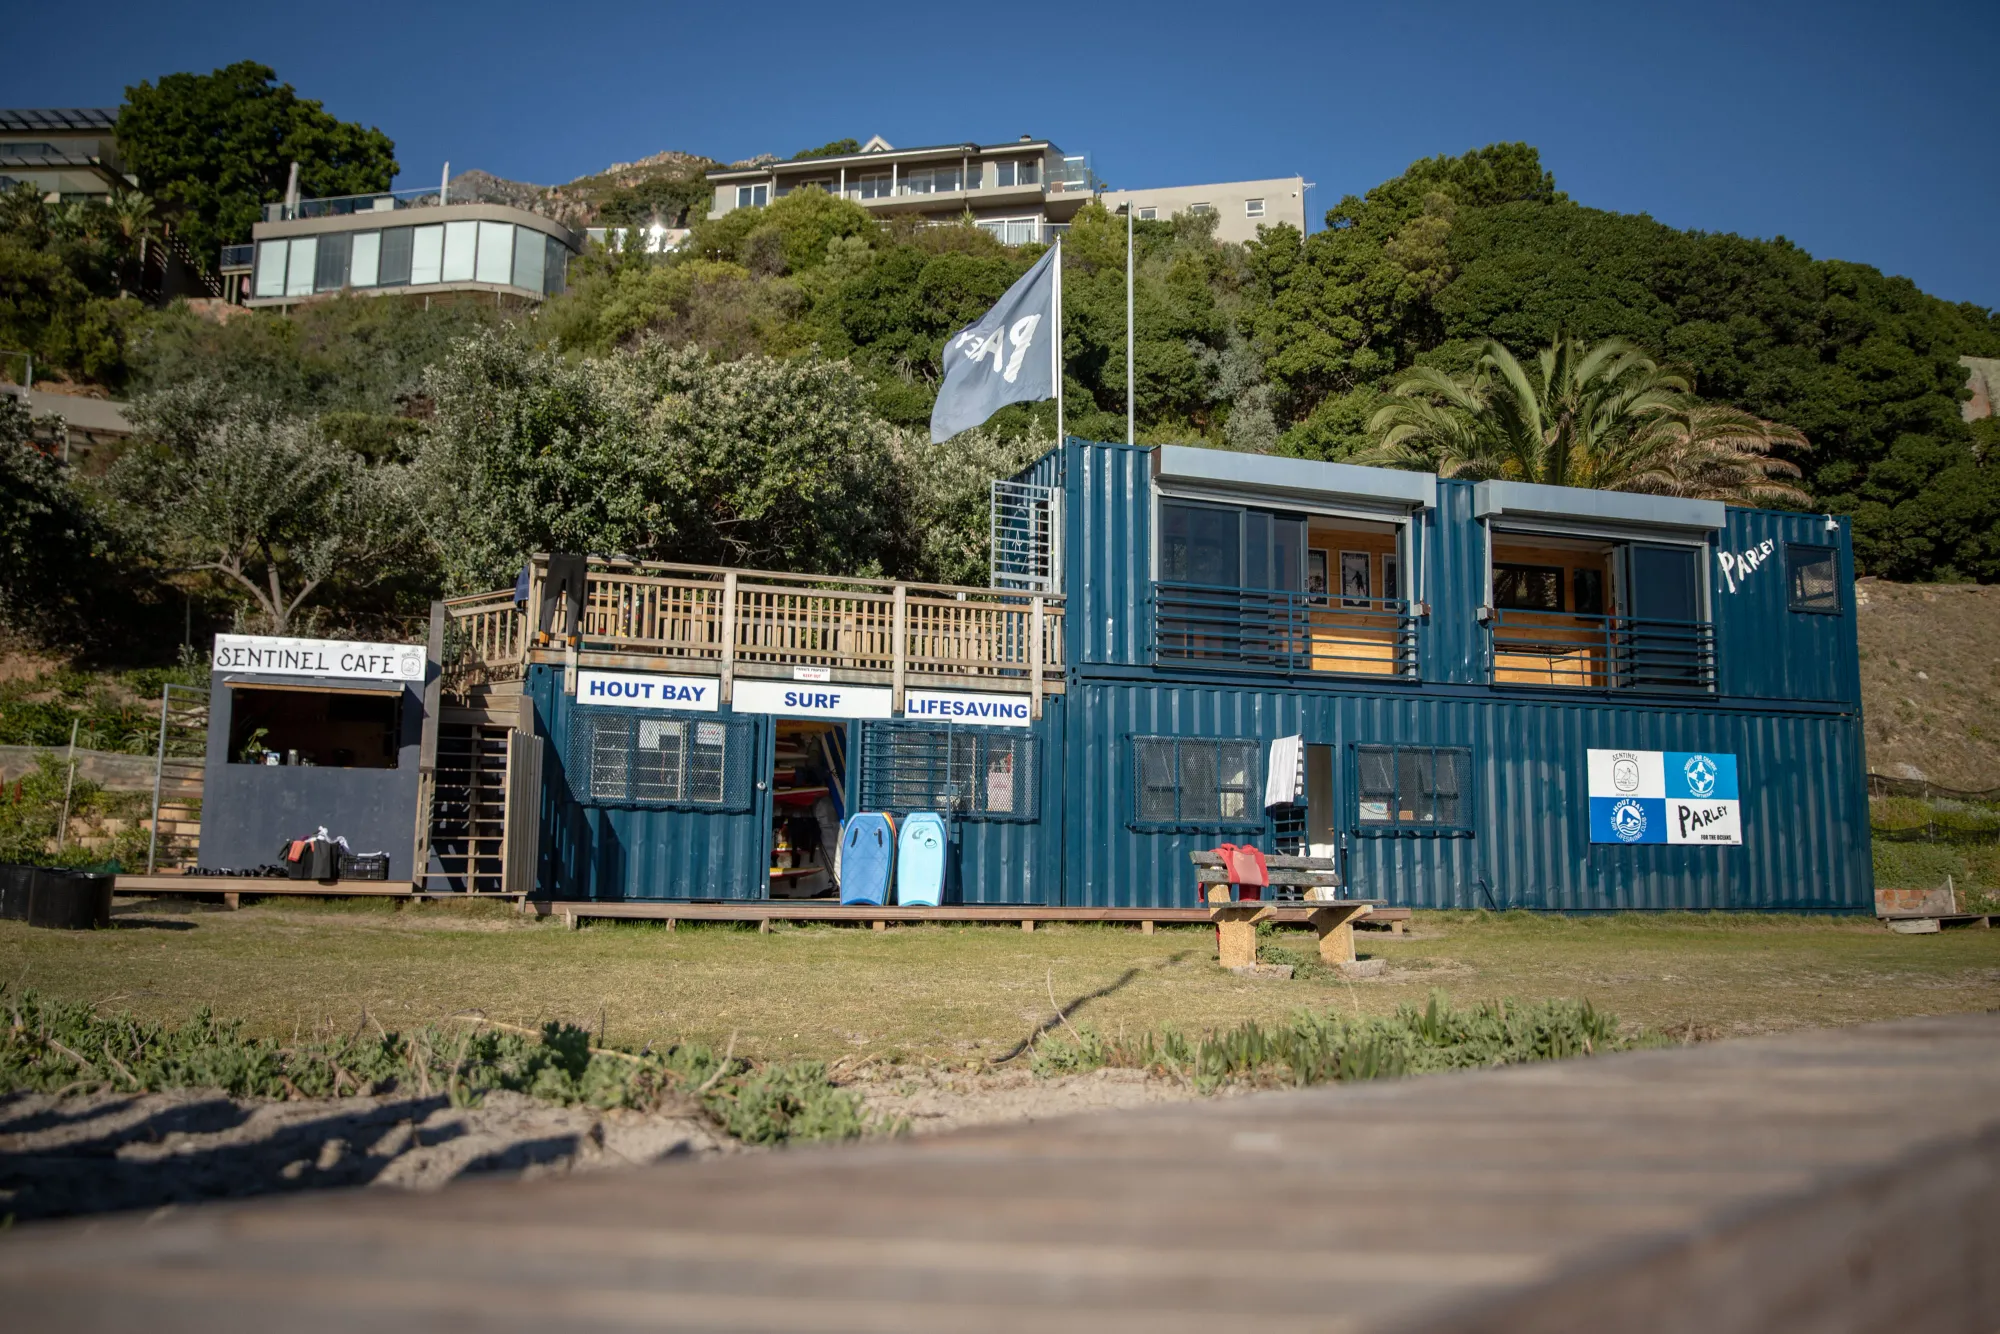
[321, 729]
[1183, 783]
[1412, 789]
[968, 773]
[621, 757]
[1814, 576]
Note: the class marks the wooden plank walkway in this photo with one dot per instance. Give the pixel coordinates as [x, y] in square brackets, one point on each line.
[825, 910]
[1834, 1182]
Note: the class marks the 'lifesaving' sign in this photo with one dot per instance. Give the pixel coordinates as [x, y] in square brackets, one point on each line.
[953, 707]
[644, 690]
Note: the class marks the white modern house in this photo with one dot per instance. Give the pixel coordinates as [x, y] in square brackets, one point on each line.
[1018, 191]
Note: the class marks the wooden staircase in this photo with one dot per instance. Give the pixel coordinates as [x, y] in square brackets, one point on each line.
[468, 836]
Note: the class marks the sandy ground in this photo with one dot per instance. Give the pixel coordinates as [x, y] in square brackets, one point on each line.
[933, 1101]
[67, 1156]
[61, 1156]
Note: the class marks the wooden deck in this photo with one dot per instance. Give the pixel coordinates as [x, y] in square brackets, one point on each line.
[825, 910]
[1836, 1182]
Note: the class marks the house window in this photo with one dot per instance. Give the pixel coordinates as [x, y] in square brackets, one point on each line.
[1527, 587]
[1253, 208]
[1149, 214]
[270, 279]
[301, 263]
[1013, 231]
[1201, 208]
[426, 254]
[875, 186]
[1181, 783]
[461, 249]
[967, 773]
[752, 196]
[495, 263]
[1813, 573]
[625, 757]
[365, 260]
[1412, 789]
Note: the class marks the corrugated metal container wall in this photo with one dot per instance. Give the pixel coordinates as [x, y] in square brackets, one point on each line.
[1451, 642]
[1008, 861]
[1763, 648]
[615, 852]
[1108, 515]
[1804, 813]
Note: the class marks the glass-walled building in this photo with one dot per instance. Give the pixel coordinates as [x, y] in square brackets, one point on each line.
[387, 244]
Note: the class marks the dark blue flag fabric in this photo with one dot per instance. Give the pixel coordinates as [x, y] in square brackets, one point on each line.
[1005, 356]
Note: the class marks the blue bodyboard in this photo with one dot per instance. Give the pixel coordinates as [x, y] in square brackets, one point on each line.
[867, 858]
[920, 850]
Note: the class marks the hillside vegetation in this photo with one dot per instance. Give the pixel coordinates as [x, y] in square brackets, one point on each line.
[1930, 681]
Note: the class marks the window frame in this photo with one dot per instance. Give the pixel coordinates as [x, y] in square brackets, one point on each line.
[1820, 551]
[734, 791]
[1253, 208]
[1254, 818]
[1394, 827]
[972, 748]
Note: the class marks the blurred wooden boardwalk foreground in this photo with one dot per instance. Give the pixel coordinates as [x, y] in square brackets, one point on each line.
[1845, 1180]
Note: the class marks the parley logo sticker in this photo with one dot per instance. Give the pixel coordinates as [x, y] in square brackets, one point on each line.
[1628, 821]
[1700, 771]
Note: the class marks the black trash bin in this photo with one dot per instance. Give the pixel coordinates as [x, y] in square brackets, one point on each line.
[70, 900]
[16, 883]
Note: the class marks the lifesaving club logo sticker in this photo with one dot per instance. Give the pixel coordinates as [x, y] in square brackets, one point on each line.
[1700, 771]
[1628, 821]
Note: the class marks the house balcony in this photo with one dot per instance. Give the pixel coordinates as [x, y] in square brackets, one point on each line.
[1290, 633]
[1564, 649]
[737, 624]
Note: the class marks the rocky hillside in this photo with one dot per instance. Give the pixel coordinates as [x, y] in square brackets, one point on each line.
[664, 184]
[1930, 681]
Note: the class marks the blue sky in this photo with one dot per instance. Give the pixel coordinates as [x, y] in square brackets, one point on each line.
[1861, 132]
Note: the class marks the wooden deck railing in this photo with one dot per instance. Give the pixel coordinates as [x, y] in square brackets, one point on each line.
[859, 629]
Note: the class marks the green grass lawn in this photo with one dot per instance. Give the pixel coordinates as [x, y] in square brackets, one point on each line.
[963, 994]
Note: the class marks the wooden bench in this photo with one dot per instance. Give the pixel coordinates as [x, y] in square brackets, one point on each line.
[1315, 880]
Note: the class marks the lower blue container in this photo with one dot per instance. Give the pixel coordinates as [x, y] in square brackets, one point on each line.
[867, 858]
[920, 850]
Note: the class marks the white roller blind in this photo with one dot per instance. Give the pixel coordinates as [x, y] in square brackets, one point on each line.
[496, 252]
[270, 268]
[461, 242]
[426, 255]
[364, 265]
[299, 266]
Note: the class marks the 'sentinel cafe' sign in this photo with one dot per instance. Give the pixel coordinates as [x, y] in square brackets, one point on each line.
[270, 656]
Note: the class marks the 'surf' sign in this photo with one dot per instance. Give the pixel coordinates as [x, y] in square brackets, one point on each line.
[271, 656]
[1670, 796]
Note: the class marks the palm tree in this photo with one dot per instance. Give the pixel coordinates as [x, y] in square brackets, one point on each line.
[136, 225]
[1604, 416]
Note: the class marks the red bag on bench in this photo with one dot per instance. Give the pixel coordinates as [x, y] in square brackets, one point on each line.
[1244, 865]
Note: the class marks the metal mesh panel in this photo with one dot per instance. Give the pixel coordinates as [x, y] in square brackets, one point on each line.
[1182, 781]
[1815, 575]
[970, 773]
[620, 757]
[1411, 787]
[1024, 537]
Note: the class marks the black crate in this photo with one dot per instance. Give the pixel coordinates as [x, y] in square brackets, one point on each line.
[364, 866]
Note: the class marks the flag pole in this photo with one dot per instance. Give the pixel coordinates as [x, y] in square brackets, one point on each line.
[1131, 378]
[1055, 349]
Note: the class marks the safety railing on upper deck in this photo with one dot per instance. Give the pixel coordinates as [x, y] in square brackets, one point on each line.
[755, 621]
[1278, 630]
[1551, 648]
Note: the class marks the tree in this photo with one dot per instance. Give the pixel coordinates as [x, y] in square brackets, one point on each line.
[212, 149]
[838, 148]
[62, 567]
[1604, 416]
[270, 506]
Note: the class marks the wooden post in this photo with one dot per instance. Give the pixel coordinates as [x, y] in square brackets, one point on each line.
[881, 926]
[1039, 617]
[902, 659]
[1145, 928]
[232, 901]
[571, 920]
[728, 636]
[1027, 924]
[763, 926]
